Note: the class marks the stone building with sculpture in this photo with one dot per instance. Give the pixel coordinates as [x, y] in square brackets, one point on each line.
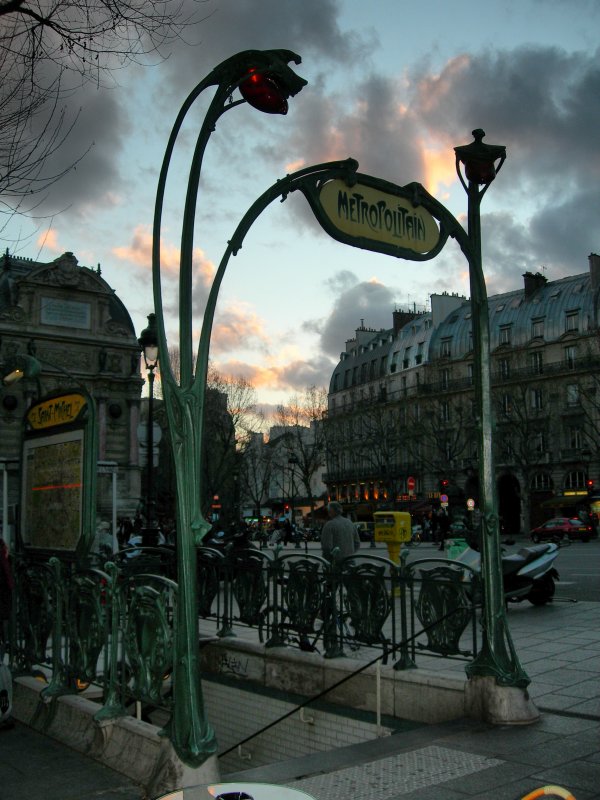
[70, 320]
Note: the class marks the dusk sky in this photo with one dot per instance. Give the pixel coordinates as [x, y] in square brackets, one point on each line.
[393, 84]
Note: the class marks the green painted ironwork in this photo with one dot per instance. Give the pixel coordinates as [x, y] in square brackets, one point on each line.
[86, 624]
[249, 585]
[210, 571]
[116, 629]
[59, 682]
[34, 615]
[368, 599]
[191, 733]
[442, 591]
[149, 634]
[113, 705]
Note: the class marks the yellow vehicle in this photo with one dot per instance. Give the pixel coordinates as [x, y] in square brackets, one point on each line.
[394, 528]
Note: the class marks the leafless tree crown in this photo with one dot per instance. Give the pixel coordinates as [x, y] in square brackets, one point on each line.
[48, 48]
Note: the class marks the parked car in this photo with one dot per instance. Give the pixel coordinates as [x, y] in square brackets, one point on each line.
[558, 528]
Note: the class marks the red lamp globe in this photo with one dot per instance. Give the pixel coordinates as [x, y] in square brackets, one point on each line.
[264, 93]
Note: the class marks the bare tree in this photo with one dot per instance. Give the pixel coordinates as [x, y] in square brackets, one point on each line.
[229, 420]
[256, 466]
[302, 424]
[440, 433]
[47, 49]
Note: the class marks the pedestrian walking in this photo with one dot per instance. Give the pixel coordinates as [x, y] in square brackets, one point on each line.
[339, 532]
[443, 526]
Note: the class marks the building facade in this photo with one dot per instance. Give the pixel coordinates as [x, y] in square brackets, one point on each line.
[68, 318]
[401, 427]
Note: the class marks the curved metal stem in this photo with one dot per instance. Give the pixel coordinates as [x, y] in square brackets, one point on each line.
[190, 732]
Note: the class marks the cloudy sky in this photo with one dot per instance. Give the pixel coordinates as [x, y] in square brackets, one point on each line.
[394, 84]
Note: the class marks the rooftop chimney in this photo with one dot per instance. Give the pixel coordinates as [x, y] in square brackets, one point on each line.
[533, 282]
[594, 270]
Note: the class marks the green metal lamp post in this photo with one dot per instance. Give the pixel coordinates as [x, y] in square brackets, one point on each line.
[497, 658]
[149, 346]
[265, 82]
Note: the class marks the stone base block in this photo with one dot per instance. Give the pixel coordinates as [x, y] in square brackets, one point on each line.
[499, 705]
[127, 745]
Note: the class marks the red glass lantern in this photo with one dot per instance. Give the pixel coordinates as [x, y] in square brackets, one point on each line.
[264, 93]
[479, 159]
[481, 172]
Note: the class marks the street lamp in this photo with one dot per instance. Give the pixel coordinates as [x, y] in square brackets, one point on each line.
[497, 660]
[148, 343]
[265, 81]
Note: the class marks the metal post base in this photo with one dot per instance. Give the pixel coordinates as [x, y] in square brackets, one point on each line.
[171, 773]
[487, 701]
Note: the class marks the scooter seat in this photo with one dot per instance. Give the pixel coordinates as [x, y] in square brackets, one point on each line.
[523, 556]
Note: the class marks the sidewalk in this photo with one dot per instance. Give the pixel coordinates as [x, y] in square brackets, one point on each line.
[559, 647]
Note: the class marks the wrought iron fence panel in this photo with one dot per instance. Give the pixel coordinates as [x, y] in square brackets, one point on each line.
[368, 600]
[34, 615]
[440, 599]
[87, 616]
[303, 591]
[295, 599]
[249, 582]
[210, 571]
[149, 607]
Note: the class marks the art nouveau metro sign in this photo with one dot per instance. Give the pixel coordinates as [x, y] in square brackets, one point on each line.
[376, 215]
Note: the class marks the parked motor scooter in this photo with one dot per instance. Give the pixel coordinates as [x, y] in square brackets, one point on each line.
[527, 574]
[225, 541]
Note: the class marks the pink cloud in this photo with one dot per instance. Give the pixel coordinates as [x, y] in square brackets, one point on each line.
[49, 239]
[139, 252]
[237, 327]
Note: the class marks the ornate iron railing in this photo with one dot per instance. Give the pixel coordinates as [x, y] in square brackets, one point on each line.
[301, 600]
[114, 627]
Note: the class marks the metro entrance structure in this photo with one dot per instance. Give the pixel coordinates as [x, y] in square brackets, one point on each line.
[366, 212]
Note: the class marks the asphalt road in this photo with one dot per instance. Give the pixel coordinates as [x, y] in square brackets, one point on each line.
[579, 568]
[578, 565]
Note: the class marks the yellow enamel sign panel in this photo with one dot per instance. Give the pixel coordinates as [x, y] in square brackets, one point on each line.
[56, 411]
[364, 212]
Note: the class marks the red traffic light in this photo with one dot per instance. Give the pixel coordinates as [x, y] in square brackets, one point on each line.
[444, 483]
[264, 93]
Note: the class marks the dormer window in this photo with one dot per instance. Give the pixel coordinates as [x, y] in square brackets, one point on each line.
[572, 321]
[537, 328]
[505, 334]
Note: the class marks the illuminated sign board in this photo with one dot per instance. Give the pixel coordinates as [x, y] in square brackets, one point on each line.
[57, 468]
[52, 491]
[56, 411]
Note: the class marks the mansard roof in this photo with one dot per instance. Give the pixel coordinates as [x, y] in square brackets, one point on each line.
[549, 303]
[420, 341]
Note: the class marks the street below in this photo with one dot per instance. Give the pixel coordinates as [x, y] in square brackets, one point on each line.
[578, 564]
